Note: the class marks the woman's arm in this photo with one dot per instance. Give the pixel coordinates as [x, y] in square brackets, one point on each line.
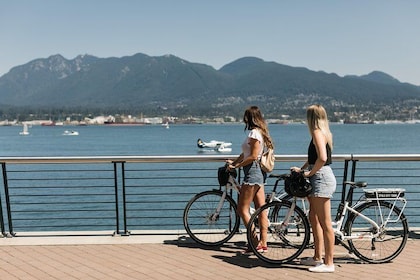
[297, 169]
[320, 143]
[231, 163]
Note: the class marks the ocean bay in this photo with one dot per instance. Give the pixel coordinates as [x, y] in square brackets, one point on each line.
[181, 139]
[155, 140]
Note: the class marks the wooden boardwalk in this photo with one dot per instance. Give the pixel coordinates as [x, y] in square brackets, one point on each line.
[174, 257]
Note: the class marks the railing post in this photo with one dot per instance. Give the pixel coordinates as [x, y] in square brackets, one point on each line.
[343, 192]
[126, 232]
[2, 227]
[353, 169]
[117, 215]
[117, 205]
[353, 172]
[7, 198]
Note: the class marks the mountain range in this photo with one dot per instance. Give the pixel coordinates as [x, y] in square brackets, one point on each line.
[173, 86]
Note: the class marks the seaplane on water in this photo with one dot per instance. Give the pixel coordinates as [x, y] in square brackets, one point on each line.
[214, 145]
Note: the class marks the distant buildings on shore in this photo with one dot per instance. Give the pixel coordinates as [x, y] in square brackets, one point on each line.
[131, 120]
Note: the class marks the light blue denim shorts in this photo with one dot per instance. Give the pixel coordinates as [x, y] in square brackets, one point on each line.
[253, 175]
[323, 182]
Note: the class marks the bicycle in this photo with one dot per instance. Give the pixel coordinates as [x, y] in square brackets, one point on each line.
[210, 217]
[374, 228]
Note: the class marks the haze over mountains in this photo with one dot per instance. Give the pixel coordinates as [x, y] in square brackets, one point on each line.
[173, 86]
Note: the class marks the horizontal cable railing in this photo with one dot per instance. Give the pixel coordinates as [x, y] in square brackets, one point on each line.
[136, 194]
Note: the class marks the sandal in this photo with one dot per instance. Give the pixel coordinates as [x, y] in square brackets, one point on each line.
[262, 249]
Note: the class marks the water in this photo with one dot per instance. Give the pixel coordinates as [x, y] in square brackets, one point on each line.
[181, 139]
[156, 140]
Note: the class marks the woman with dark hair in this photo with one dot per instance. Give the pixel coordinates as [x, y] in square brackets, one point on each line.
[252, 189]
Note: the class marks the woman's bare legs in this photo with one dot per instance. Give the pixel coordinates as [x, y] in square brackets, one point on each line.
[259, 201]
[254, 194]
[320, 218]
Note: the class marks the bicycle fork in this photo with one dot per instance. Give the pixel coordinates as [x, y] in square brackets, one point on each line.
[215, 216]
[289, 214]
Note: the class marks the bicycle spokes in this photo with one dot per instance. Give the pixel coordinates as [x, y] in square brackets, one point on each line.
[377, 244]
[288, 232]
[210, 218]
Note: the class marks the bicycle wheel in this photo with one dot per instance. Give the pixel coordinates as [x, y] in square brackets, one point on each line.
[202, 222]
[303, 204]
[392, 236]
[286, 237]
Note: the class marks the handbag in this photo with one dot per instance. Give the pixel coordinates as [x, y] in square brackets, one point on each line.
[267, 160]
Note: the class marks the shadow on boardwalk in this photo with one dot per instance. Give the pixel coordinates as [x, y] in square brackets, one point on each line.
[179, 258]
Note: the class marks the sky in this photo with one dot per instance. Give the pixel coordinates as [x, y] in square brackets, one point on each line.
[344, 37]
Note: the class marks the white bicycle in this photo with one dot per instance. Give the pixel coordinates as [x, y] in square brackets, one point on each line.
[210, 217]
[374, 228]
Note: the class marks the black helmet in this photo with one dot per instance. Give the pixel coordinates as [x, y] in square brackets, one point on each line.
[223, 175]
[297, 185]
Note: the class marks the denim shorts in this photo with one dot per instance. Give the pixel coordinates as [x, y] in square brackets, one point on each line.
[253, 175]
[323, 182]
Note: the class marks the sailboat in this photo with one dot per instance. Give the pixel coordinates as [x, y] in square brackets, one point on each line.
[25, 129]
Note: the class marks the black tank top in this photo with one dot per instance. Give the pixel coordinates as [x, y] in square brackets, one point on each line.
[312, 155]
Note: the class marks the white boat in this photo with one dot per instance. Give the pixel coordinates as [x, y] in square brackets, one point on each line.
[214, 145]
[24, 130]
[165, 125]
[70, 132]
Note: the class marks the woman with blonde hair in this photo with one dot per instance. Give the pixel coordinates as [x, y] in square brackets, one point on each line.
[252, 189]
[317, 169]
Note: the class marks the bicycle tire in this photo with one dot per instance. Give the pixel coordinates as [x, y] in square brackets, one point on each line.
[390, 242]
[201, 224]
[285, 243]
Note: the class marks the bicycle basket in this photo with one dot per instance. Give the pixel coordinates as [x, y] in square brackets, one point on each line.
[297, 185]
[223, 175]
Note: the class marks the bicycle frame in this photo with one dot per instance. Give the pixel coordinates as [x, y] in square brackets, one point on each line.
[211, 218]
[343, 214]
[275, 196]
[232, 184]
[338, 225]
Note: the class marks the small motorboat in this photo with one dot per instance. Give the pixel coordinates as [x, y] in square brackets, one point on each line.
[70, 133]
[215, 145]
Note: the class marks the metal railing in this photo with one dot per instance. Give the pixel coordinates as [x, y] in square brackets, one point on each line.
[137, 194]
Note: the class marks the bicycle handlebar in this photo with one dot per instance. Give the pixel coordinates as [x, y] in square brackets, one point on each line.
[359, 184]
[279, 176]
